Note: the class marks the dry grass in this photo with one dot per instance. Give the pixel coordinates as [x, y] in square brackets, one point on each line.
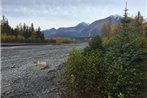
[61, 40]
[40, 66]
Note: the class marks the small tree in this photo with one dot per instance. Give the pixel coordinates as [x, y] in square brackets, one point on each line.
[115, 29]
[106, 30]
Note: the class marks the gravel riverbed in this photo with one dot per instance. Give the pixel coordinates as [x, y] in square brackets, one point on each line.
[21, 80]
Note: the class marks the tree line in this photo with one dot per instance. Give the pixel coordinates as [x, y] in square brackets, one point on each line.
[21, 33]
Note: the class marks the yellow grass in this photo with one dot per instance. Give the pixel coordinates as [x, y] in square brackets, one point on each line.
[40, 66]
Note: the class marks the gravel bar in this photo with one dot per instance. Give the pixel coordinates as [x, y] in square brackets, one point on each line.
[21, 80]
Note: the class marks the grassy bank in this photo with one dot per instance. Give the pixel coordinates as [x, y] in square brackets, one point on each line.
[61, 40]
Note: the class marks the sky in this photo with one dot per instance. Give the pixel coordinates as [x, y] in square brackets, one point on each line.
[65, 13]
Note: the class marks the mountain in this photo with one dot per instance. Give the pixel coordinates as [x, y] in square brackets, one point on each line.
[83, 29]
[95, 27]
[65, 32]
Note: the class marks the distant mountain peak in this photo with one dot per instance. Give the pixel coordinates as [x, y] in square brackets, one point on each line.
[116, 17]
[83, 24]
[52, 29]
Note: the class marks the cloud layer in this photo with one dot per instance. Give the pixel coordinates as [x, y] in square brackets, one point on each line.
[56, 13]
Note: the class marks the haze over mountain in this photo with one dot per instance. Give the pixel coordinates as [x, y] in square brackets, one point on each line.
[82, 29]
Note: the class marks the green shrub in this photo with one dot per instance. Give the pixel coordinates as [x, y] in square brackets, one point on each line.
[68, 78]
[95, 43]
[124, 59]
[83, 76]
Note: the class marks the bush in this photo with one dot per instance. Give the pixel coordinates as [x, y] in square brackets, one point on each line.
[95, 43]
[7, 38]
[83, 76]
[20, 38]
[124, 60]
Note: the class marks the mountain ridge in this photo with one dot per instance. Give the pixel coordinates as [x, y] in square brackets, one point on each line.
[82, 29]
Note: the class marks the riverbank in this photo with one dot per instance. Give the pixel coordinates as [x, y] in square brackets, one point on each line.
[21, 44]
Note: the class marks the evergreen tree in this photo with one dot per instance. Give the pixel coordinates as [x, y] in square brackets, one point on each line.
[126, 20]
[24, 30]
[32, 27]
[137, 23]
[5, 28]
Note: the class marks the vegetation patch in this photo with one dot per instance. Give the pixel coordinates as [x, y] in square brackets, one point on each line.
[22, 33]
[61, 40]
[112, 66]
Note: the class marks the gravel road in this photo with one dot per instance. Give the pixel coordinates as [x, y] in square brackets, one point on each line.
[21, 80]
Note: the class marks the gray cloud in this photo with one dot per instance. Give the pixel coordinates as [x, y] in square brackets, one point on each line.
[69, 11]
[57, 2]
[9, 5]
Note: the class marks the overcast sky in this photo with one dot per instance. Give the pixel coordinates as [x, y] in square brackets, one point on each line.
[64, 13]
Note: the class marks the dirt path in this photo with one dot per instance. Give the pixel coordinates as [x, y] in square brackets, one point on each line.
[21, 80]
